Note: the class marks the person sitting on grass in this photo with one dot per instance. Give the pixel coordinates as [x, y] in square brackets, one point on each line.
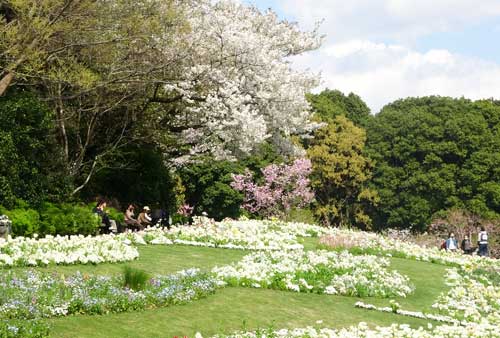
[451, 243]
[129, 217]
[144, 219]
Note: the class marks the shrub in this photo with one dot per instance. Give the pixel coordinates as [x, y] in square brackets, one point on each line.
[25, 222]
[134, 279]
[116, 214]
[67, 219]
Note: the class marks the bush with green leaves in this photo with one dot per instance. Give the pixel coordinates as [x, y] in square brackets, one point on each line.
[30, 159]
[25, 221]
[67, 219]
[52, 219]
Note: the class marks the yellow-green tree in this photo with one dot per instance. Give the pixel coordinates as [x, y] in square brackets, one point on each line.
[340, 174]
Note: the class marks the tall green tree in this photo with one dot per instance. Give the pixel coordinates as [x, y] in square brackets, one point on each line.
[331, 103]
[340, 174]
[432, 154]
[96, 64]
[208, 189]
[30, 158]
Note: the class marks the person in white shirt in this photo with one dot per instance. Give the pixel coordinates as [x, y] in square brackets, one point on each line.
[451, 243]
[482, 241]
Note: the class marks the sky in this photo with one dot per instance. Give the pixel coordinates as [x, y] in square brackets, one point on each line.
[384, 50]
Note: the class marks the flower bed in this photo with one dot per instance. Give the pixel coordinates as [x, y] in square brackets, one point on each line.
[394, 308]
[22, 251]
[363, 330]
[360, 242]
[34, 295]
[470, 299]
[246, 234]
[317, 271]
[24, 328]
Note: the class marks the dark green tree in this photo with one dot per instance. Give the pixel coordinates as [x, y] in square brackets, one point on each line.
[30, 160]
[207, 182]
[331, 103]
[208, 189]
[432, 154]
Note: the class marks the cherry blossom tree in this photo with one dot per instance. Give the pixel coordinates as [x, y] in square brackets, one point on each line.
[189, 76]
[284, 187]
[236, 87]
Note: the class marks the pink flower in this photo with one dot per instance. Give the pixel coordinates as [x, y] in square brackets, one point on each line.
[284, 187]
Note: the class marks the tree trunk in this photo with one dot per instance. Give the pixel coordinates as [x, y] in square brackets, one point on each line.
[62, 125]
[5, 82]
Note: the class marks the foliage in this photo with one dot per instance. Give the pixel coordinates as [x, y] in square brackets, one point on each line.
[145, 181]
[30, 166]
[432, 154]
[22, 328]
[67, 219]
[207, 188]
[55, 219]
[331, 103]
[194, 77]
[134, 279]
[205, 182]
[461, 223]
[25, 221]
[340, 174]
[284, 187]
[31, 294]
[304, 215]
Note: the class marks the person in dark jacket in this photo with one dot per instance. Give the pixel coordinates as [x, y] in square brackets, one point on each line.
[109, 224]
[466, 245]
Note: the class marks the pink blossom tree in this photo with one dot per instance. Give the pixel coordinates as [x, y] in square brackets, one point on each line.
[284, 187]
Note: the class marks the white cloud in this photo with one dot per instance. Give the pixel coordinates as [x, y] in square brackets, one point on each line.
[398, 20]
[382, 73]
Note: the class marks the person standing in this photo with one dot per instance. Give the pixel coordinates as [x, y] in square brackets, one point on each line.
[466, 245]
[451, 243]
[482, 241]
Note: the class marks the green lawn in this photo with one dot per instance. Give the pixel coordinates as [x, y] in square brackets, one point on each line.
[159, 259]
[241, 308]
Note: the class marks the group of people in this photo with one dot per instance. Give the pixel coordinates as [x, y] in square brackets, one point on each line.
[143, 219]
[146, 218]
[451, 244]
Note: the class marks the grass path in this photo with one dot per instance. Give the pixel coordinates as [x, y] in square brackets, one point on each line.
[157, 260]
[240, 308]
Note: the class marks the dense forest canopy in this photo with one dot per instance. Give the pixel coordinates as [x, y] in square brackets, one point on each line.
[432, 154]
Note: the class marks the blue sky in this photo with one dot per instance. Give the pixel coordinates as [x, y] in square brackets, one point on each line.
[388, 49]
